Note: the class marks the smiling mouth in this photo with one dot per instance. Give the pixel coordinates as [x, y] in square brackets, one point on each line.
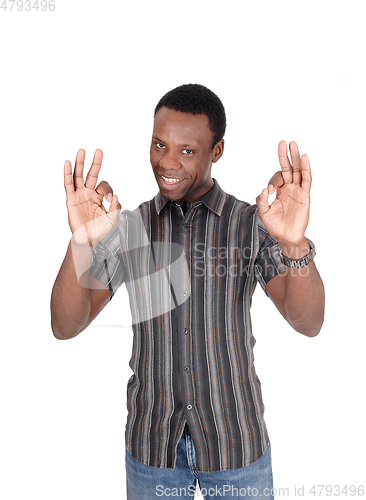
[171, 180]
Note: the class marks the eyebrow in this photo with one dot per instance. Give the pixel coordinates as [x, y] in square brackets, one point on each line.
[180, 145]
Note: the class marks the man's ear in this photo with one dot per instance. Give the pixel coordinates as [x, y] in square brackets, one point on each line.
[218, 150]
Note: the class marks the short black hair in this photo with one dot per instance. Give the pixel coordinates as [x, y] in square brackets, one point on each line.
[197, 100]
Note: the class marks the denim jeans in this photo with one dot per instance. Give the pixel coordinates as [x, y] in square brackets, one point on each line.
[148, 483]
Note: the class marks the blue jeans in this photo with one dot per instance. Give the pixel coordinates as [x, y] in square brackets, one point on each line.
[148, 483]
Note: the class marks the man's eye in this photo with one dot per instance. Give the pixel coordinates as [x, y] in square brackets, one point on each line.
[159, 145]
[188, 151]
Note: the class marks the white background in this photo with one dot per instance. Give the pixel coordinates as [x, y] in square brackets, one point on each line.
[88, 75]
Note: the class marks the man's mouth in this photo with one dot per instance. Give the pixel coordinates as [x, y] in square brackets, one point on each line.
[171, 180]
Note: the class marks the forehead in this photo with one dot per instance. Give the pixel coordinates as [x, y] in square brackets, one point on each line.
[176, 126]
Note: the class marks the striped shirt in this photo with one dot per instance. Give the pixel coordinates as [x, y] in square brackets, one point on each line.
[190, 277]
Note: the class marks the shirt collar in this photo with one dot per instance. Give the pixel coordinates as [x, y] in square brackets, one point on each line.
[214, 199]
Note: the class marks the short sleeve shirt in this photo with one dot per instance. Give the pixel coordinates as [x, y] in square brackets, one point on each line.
[190, 275]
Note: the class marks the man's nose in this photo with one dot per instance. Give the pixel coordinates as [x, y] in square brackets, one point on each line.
[170, 161]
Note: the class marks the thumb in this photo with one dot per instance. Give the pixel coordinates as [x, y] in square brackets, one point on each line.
[115, 204]
[262, 202]
[114, 208]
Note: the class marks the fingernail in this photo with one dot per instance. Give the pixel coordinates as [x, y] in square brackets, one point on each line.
[109, 197]
[270, 188]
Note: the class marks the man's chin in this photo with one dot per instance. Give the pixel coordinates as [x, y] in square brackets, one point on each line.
[171, 195]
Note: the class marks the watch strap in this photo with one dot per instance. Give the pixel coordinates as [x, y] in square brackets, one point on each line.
[304, 261]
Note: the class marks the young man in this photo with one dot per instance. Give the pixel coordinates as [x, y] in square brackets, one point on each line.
[190, 259]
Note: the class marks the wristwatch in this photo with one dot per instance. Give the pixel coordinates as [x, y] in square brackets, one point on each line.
[304, 261]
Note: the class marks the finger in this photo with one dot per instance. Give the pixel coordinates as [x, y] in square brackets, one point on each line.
[262, 202]
[305, 173]
[296, 163]
[92, 176]
[275, 182]
[286, 166]
[79, 169]
[68, 182]
[105, 190]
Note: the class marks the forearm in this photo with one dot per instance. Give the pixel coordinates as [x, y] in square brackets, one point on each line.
[304, 297]
[70, 302]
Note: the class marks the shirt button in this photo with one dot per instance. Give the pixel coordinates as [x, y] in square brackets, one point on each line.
[185, 293]
[186, 368]
[186, 225]
[185, 330]
[189, 407]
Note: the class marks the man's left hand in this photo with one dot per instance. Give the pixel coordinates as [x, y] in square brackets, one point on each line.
[288, 216]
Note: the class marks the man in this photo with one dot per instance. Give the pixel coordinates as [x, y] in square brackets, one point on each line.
[190, 259]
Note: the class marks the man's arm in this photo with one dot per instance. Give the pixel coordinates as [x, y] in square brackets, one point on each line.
[297, 293]
[77, 298]
[73, 307]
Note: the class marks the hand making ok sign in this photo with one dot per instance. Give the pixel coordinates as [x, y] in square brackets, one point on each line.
[88, 219]
[288, 216]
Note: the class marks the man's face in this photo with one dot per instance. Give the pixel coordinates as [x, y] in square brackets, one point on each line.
[181, 154]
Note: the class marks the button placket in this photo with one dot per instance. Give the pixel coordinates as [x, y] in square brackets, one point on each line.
[185, 354]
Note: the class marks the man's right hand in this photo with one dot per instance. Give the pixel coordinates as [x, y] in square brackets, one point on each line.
[88, 219]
